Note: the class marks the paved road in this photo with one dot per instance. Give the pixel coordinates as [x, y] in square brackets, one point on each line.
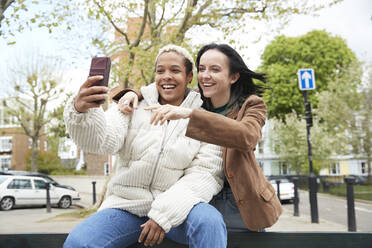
[34, 220]
[334, 209]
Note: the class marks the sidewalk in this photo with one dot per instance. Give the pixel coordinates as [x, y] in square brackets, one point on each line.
[42, 222]
[286, 223]
[289, 223]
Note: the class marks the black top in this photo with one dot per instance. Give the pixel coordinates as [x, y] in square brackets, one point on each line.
[222, 110]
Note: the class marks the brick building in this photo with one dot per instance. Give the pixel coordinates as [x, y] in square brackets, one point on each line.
[14, 144]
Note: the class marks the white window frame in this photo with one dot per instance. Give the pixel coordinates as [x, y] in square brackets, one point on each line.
[8, 145]
[282, 165]
[363, 166]
[334, 169]
[5, 166]
[261, 146]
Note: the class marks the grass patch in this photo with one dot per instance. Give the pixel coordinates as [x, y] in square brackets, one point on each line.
[363, 192]
[71, 216]
[78, 214]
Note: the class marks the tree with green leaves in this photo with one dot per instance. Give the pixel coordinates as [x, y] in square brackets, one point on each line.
[366, 124]
[17, 16]
[4, 5]
[342, 123]
[284, 56]
[288, 139]
[35, 86]
[159, 22]
[346, 111]
[47, 162]
[339, 107]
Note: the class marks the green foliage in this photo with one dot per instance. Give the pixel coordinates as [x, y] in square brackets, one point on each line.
[77, 214]
[35, 84]
[18, 15]
[68, 172]
[346, 112]
[47, 162]
[57, 128]
[342, 123]
[339, 107]
[284, 56]
[363, 192]
[169, 21]
[289, 140]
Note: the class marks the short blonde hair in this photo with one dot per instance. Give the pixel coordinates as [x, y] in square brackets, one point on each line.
[180, 50]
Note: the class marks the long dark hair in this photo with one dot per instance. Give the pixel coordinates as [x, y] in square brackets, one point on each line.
[243, 87]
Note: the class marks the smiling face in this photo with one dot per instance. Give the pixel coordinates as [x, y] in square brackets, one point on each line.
[214, 77]
[171, 78]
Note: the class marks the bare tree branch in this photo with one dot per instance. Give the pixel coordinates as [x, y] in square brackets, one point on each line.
[4, 4]
[186, 22]
[143, 25]
[162, 16]
[108, 16]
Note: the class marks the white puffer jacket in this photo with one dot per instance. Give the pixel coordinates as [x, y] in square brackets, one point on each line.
[160, 173]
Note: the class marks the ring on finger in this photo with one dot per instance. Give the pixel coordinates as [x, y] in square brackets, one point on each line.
[126, 102]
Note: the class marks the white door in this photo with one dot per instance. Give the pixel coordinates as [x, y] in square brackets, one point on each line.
[40, 191]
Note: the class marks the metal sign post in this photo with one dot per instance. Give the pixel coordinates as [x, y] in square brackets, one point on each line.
[48, 205]
[306, 80]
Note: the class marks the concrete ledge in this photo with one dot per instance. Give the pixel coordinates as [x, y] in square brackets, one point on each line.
[236, 240]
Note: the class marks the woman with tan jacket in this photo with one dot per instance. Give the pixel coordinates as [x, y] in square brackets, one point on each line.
[234, 118]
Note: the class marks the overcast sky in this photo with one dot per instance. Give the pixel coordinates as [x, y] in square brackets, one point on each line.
[351, 20]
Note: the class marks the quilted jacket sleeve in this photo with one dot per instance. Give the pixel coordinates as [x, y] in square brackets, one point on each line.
[96, 131]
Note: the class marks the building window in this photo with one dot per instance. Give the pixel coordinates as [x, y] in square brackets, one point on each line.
[6, 144]
[5, 162]
[7, 120]
[261, 164]
[363, 167]
[334, 168]
[284, 168]
[261, 147]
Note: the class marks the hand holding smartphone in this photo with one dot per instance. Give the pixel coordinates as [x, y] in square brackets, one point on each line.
[100, 66]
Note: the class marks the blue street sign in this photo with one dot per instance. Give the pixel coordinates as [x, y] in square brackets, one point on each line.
[306, 79]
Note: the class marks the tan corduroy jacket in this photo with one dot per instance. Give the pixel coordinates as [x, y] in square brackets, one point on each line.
[239, 134]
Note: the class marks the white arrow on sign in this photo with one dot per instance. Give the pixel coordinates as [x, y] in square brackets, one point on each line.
[306, 76]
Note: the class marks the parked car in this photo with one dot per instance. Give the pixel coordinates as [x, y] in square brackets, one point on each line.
[36, 174]
[286, 189]
[27, 190]
[359, 179]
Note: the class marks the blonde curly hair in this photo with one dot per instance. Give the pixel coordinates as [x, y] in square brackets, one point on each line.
[177, 49]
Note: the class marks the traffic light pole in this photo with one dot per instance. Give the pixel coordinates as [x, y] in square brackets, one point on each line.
[312, 177]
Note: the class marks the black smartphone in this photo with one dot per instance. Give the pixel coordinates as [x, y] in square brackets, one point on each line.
[100, 66]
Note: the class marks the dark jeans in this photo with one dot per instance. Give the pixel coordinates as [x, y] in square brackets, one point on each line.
[225, 203]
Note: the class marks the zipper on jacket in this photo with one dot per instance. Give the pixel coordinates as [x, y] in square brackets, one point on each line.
[158, 159]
